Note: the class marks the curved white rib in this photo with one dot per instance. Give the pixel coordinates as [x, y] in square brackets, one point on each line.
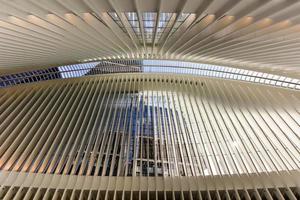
[255, 35]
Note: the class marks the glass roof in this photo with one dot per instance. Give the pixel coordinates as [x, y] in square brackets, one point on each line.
[167, 23]
[148, 66]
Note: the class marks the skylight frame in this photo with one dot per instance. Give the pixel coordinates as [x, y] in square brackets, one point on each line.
[150, 28]
[149, 66]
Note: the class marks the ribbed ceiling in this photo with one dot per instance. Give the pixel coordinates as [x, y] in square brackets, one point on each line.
[260, 35]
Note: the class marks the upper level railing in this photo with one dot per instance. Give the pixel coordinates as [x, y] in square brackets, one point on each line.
[148, 66]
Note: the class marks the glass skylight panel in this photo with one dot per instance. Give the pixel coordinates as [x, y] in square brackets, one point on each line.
[117, 20]
[149, 16]
[149, 23]
[132, 16]
[147, 66]
[133, 20]
[76, 70]
[149, 20]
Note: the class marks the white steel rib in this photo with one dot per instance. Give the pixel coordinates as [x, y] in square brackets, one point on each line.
[258, 35]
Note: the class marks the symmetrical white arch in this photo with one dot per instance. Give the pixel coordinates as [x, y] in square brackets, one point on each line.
[151, 113]
[102, 136]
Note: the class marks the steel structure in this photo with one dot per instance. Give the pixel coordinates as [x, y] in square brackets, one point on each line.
[147, 66]
[149, 99]
[258, 35]
[136, 135]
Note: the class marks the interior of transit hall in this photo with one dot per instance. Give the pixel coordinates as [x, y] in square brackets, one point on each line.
[248, 34]
[149, 99]
[150, 125]
[109, 134]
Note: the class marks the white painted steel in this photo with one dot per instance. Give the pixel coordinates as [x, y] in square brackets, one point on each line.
[157, 135]
[258, 35]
